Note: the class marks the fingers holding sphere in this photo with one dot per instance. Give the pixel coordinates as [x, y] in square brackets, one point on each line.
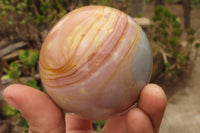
[41, 113]
[152, 102]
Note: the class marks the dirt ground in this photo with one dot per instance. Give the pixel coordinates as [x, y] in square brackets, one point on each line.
[182, 114]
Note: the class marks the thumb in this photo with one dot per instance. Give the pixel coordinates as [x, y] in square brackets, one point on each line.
[41, 113]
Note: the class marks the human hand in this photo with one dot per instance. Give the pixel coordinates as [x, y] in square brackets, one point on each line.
[44, 116]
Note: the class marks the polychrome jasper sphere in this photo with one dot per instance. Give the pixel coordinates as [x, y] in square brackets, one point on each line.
[95, 61]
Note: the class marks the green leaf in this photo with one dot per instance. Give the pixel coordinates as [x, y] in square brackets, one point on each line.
[22, 22]
[164, 25]
[176, 54]
[10, 111]
[158, 10]
[191, 32]
[33, 83]
[5, 77]
[10, 22]
[3, 13]
[40, 19]
[176, 24]
[190, 40]
[23, 123]
[155, 39]
[99, 125]
[20, 12]
[23, 55]
[184, 57]
[177, 32]
[29, 57]
[156, 18]
[13, 72]
[197, 45]
[14, 65]
[167, 65]
[165, 33]
[139, 15]
[173, 41]
[166, 13]
[174, 18]
[33, 58]
[6, 70]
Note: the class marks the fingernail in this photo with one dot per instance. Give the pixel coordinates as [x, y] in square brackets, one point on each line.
[11, 101]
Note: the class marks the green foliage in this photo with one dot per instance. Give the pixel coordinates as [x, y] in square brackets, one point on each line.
[166, 27]
[190, 41]
[13, 72]
[33, 83]
[191, 37]
[166, 32]
[197, 45]
[172, 1]
[28, 60]
[102, 2]
[40, 19]
[23, 123]
[8, 110]
[29, 57]
[32, 11]
[196, 3]
[139, 15]
[148, 1]
[165, 35]
[99, 125]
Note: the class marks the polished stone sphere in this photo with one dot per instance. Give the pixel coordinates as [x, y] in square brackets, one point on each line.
[95, 61]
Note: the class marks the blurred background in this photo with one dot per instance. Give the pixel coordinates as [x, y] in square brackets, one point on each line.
[173, 29]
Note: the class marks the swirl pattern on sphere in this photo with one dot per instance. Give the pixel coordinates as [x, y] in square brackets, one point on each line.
[83, 47]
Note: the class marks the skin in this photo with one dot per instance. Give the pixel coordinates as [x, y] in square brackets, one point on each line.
[44, 116]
